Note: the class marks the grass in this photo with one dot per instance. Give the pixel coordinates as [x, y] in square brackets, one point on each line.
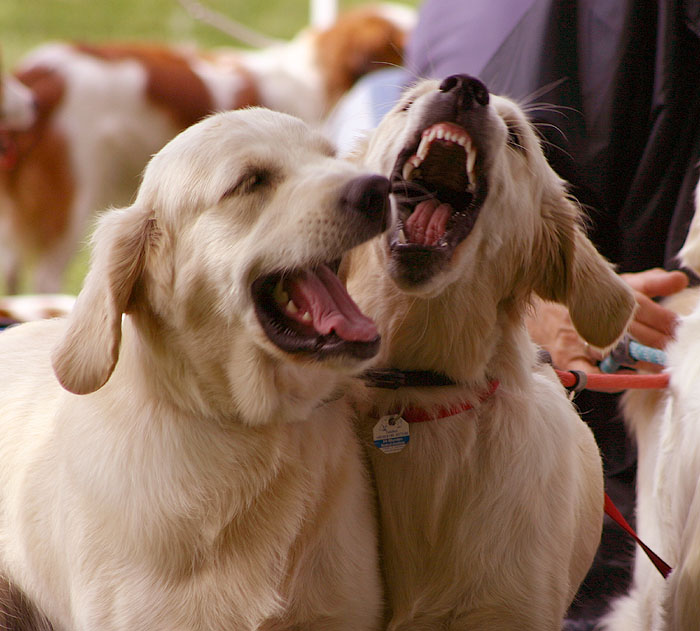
[27, 23]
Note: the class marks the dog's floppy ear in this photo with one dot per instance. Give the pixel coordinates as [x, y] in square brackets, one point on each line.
[85, 358]
[574, 274]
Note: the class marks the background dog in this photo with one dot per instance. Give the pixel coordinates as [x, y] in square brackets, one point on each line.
[665, 426]
[101, 111]
[198, 470]
[492, 512]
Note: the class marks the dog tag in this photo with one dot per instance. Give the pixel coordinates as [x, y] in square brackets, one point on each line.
[391, 433]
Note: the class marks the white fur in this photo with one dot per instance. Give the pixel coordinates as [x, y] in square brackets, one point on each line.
[489, 518]
[213, 481]
[17, 111]
[667, 429]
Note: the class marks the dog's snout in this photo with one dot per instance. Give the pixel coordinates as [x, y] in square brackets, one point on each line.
[469, 90]
[367, 195]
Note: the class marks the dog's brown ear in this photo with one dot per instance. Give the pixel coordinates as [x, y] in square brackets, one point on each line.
[574, 274]
[85, 358]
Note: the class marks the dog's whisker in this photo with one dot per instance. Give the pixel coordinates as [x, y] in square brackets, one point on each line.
[536, 94]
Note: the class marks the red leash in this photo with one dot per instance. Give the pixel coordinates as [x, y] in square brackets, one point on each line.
[612, 512]
[577, 381]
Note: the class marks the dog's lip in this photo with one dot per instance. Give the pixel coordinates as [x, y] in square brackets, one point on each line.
[307, 310]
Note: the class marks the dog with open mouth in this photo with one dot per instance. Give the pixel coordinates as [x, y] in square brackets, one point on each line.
[489, 485]
[176, 454]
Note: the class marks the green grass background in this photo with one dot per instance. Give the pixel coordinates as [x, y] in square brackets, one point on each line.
[27, 23]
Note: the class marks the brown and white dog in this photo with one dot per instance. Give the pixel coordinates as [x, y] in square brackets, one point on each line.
[100, 111]
[666, 426]
[492, 511]
[177, 454]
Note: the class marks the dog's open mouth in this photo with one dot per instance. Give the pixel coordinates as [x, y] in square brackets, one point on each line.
[439, 190]
[309, 311]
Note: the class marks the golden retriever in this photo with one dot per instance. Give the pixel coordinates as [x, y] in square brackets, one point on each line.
[490, 514]
[666, 428]
[176, 455]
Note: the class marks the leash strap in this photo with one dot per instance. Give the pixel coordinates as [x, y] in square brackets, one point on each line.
[612, 511]
[577, 381]
[628, 352]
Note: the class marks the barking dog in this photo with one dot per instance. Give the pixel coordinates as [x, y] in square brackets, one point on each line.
[102, 111]
[188, 463]
[666, 429]
[491, 513]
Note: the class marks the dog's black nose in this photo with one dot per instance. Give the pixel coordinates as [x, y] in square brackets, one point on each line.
[367, 195]
[468, 89]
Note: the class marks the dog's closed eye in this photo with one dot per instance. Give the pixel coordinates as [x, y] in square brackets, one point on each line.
[252, 180]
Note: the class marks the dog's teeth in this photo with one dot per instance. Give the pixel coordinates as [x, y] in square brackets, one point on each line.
[440, 133]
[471, 160]
[280, 296]
[402, 237]
[423, 148]
[306, 317]
[291, 307]
[407, 170]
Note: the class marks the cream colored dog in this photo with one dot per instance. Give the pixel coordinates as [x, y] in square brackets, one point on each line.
[492, 512]
[176, 454]
[667, 430]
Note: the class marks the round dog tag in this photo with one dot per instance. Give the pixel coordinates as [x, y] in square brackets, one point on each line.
[391, 433]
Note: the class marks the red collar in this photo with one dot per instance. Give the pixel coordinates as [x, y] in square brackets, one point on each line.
[419, 415]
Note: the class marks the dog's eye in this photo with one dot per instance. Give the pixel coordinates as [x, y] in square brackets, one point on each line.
[254, 181]
[250, 182]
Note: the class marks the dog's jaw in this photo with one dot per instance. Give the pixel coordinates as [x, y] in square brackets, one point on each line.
[310, 312]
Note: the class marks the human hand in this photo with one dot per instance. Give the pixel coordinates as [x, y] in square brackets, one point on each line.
[653, 325]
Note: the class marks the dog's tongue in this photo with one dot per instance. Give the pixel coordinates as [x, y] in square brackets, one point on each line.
[427, 222]
[322, 295]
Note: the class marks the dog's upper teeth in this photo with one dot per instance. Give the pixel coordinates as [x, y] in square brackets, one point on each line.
[280, 296]
[471, 160]
[291, 307]
[407, 170]
[423, 148]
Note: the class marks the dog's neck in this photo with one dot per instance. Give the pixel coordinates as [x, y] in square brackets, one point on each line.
[251, 387]
[457, 334]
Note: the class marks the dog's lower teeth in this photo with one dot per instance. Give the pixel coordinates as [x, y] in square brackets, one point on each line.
[306, 317]
[402, 237]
